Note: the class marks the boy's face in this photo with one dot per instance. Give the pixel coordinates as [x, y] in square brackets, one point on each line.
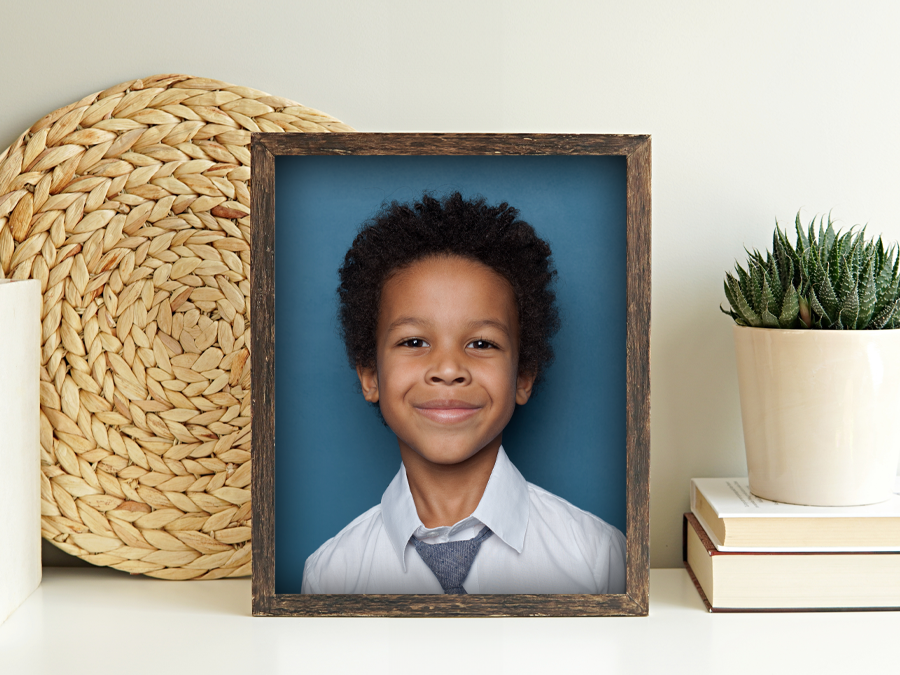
[447, 376]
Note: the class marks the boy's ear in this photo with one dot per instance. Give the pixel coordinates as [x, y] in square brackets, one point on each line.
[524, 383]
[368, 380]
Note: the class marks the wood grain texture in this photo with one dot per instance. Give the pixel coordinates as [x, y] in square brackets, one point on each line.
[262, 299]
[636, 150]
[451, 144]
[446, 605]
[637, 378]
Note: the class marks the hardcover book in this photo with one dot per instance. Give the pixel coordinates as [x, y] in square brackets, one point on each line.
[766, 581]
[736, 520]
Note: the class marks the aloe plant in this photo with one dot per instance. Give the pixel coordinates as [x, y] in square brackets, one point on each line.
[828, 279]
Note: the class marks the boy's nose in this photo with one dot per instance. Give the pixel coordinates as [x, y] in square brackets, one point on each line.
[447, 367]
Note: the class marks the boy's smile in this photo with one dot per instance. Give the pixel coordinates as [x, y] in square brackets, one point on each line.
[446, 375]
[447, 411]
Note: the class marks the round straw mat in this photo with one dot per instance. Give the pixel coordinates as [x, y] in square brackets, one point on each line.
[131, 206]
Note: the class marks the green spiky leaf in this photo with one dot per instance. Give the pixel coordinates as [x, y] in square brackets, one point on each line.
[846, 282]
[739, 302]
[805, 316]
[816, 306]
[773, 276]
[803, 273]
[756, 287]
[769, 320]
[825, 291]
[836, 252]
[885, 316]
[884, 282]
[790, 309]
[850, 309]
[782, 258]
[770, 304]
[734, 315]
[867, 295]
[802, 238]
[828, 279]
[830, 234]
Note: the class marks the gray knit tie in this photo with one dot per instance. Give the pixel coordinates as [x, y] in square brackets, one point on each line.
[452, 561]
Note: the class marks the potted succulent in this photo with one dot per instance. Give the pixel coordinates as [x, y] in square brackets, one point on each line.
[819, 366]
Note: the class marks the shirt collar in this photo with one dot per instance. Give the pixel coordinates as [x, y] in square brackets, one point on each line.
[504, 504]
[398, 511]
[503, 507]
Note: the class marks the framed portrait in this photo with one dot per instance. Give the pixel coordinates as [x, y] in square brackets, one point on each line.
[323, 456]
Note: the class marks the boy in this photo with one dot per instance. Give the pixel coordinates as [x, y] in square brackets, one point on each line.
[447, 312]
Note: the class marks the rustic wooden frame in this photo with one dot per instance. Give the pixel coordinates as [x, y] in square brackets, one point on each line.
[636, 149]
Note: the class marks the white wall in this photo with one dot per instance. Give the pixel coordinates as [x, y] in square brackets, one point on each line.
[756, 109]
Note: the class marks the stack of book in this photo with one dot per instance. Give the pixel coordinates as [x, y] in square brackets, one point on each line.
[750, 554]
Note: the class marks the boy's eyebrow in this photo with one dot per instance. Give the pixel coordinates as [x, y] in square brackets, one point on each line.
[422, 323]
[489, 323]
[408, 321]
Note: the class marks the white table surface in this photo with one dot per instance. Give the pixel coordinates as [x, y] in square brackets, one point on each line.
[98, 621]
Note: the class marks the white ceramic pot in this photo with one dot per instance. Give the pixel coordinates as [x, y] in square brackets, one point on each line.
[821, 413]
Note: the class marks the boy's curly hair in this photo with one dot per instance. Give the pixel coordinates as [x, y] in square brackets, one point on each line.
[401, 234]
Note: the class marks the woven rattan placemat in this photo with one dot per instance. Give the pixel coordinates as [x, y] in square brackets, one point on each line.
[131, 206]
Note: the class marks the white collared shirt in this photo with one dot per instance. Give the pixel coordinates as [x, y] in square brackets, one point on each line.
[541, 544]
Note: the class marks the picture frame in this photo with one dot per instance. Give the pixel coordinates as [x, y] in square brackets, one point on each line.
[271, 150]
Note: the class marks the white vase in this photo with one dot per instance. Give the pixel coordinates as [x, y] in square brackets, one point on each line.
[20, 449]
[821, 413]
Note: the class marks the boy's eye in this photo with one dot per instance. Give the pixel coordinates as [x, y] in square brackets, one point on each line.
[414, 343]
[481, 344]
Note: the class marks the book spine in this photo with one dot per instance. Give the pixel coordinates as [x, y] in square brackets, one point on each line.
[708, 543]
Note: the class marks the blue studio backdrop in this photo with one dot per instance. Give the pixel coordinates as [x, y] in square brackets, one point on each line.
[334, 458]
